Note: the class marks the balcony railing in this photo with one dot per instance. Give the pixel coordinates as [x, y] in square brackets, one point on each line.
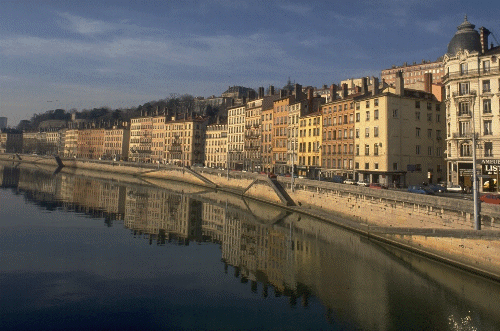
[474, 72]
[463, 93]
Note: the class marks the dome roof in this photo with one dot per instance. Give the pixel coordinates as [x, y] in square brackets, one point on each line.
[465, 38]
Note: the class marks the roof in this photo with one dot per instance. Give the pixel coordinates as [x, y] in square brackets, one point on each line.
[466, 38]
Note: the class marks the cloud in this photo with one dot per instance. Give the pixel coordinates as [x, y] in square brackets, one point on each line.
[296, 8]
[85, 26]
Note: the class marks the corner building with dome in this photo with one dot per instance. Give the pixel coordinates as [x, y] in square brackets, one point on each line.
[472, 96]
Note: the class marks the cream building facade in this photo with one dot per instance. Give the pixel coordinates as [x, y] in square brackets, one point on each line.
[236, 136]
[401, 137]
[472, 81]
[185, 141]
[310, 139]
[216, 146]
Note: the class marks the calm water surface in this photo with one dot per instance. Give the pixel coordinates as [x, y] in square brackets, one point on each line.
[86, 254]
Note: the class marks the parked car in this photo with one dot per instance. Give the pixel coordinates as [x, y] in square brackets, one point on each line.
[271, 175]
[420, 189]
[377, 186]
[362, 183]
[454, 188]
[349, 181]
[490, 198]
[337, 179]
[437, 188]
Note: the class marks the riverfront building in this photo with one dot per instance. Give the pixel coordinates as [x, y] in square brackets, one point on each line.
[141, 129]
[116, 142]
[338, 134]
[158, 138]
[472, 81]
[236, 136]
[253, 120]
[216, 145]
[400, 136]
[11, 141]
[267, 137]
[185, 141]
[309, 155]
[413, 74]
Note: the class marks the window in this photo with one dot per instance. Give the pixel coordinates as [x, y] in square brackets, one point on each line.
[438, 118]
[438, 107]
[357, 105]
[417, 115]
[488, 149]
[487, 127]
[417, 132]
[367, 104]
[417, 149]
[465, 150]
[356, 165]
[429, 106]
[395, 166]
[376, 166]
[486, 66]
[375, 102]
[429, 133]
[367, 115]
[487, 106]
[375, 114]
[375, 131]
[464, 88]
[367, 149]
[464, 128]
[367, 166]
[463, 68]
[429, 117]
[357, 133]
[358, 117]
[486, 86]
[463, 109]
[438, 134]
[429, 150]
[375, 149]
[417, 104]
[367, 132]
[395, 113]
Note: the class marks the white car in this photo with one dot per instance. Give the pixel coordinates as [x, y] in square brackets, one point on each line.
[349, 181]
[361, 183]
[454, 188]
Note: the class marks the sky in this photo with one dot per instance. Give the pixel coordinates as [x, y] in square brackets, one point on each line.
[108, 53]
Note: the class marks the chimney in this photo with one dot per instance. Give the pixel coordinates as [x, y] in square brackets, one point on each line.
[484, 33]
[298, 91]
[310, 94]
[357, 89]
[261, 92]
[364, 87]
[375, 90]
[271, 90]
[344, 91]
[244, 100]
[251, 95]
[333, 92]
[283, 93]
[428, 82]
[400, 83]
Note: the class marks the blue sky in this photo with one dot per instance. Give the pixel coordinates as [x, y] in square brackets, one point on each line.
[86, 54]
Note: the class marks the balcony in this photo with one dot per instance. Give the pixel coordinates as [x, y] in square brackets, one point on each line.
[469, 73]
[464, 93]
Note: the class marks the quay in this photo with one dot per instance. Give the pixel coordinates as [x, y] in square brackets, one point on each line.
[435, 227]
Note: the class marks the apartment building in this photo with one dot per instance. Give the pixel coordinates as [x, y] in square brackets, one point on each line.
[338, 132]
[267, 137]
[280, 131]
[158, 138]
[472, 85]
[11, 141]
[413, 74]
[216, 145]
[185, 140]
[236, 136]
[70, 143]
[116, 142]
[310, 140]
[401, 135]
[90, 144]
[253, 120]
[141, 130]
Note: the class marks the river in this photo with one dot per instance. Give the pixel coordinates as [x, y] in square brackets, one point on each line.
[83, 253]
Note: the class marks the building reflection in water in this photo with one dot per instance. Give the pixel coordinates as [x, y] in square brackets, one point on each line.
[296, 256]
